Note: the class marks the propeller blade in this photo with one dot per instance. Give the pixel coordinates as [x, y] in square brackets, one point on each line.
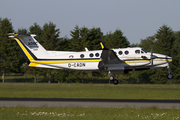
[151, 57]
[151, 62]
[151, 51]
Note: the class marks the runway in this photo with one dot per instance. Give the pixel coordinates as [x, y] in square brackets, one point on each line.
[105, 103]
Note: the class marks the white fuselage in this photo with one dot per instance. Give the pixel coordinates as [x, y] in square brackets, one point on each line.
[89, 60]
[117, 60]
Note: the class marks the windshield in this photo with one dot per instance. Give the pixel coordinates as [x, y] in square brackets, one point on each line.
[143, 51]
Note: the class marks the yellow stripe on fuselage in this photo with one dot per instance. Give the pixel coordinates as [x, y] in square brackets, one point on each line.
[157, 59]
[35, 63]
[133, 61]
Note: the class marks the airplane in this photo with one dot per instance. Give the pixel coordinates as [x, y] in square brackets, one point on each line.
[114, 61]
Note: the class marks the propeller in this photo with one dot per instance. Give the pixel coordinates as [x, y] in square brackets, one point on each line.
[152, 57]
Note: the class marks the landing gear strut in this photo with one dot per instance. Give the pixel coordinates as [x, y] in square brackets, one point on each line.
[169, 71]
[112, 78]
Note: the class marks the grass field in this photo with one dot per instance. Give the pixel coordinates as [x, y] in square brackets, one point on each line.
[102, 91]
[78, 113]
[121, 91]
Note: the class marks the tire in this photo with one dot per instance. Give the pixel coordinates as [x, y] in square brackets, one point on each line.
[115, 81]
[169, 76]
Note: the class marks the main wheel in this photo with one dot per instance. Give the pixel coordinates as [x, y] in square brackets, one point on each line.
[169, 76]
[115, 81]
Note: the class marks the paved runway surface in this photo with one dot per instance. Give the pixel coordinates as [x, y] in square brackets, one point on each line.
[108, 103]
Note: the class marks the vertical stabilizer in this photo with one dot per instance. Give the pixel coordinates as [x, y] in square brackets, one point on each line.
[30, 44]
[33, 45]
[30, 48]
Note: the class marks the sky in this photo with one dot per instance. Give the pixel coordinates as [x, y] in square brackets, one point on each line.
[137, 19]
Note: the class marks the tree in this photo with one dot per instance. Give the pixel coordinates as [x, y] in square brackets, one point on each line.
[37, 30]
[175, 66]
[84, 37]
[95, 37]
[164, 45]
[61, 76]
[50, 36]
[147, 43]
[143, 76]
[164, 40]
[9, 52]
[134, 45]
[50, 41]
[63, 44]
[79, 39]
[22, 31]
[116, 40]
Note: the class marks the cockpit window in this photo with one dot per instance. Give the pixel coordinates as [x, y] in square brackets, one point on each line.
[143, 51]
[137, 51]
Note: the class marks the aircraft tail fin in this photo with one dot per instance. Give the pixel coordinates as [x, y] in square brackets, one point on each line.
[29, 47]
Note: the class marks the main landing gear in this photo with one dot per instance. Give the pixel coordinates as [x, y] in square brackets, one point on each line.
[112, 78]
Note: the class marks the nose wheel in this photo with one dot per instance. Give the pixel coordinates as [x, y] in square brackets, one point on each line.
[169, 76]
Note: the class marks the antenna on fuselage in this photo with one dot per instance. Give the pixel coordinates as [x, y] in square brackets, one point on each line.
[86, 49]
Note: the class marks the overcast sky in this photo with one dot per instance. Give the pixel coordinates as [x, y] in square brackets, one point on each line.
[137, 19]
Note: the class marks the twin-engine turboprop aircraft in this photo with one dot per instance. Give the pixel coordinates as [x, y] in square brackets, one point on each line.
[115, 61]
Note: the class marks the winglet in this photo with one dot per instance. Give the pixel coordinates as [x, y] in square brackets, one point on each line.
[102, 46]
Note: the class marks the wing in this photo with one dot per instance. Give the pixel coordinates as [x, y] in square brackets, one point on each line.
[108, 58]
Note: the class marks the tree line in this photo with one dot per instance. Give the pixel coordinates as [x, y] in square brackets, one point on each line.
[164, 41]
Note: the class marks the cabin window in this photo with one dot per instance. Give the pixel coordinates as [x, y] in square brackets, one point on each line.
[91, 55]
[126, 52]
[82, 55]
[120, 52]
[137, 51]
[97, 54]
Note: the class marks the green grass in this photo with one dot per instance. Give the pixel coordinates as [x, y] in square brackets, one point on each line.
[27, 90]
[78, 113]
[102, 91]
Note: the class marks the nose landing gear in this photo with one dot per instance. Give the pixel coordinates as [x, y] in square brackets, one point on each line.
[169, 76]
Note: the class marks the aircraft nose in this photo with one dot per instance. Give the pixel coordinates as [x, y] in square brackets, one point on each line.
[169, 58]
[163, 57]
